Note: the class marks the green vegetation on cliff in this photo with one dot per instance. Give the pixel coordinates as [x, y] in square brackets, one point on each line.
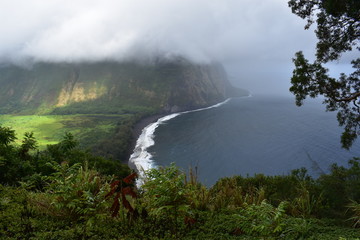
[101, 102]
[66, 193]
[110, 87]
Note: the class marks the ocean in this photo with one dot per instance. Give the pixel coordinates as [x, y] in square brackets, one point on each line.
[246, 136]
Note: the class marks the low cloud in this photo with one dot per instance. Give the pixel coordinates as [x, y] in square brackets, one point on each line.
[202, 30]
[253, 38]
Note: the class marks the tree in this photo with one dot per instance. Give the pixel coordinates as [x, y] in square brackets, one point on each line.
[13, 167]
[29, 143]
[7, 136]
[338, 31]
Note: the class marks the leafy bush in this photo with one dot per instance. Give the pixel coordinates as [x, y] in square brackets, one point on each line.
[340, 186]
[227, 193]
[166, 195]
[263, 219]
[354, 207]
[79, 193]
[63, 192]
[75, 196]
[15, 213]
[27, 164]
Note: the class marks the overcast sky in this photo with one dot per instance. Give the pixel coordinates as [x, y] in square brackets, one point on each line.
[254, 39]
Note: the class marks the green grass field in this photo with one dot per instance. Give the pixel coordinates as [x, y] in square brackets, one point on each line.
[49, 129]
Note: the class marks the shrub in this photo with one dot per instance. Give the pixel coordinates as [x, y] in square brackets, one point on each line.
[165, 195]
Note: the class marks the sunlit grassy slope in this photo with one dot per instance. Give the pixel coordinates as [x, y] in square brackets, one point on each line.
[49, 129]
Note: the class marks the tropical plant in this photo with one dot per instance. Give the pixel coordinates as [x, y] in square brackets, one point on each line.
[78, 195]
[15, 214]
[28, 143]
[340, 185]
[298, 228]
[7, 136]
[264, 219]
[165, 195]
[354, 207]
[14, 164]
[122, 189]
[305, 204]
[228, 193]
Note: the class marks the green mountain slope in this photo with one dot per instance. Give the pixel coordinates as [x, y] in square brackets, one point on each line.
[110, 87]
[100, 103]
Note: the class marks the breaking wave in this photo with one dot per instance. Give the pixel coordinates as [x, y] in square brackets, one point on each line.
[141, 159]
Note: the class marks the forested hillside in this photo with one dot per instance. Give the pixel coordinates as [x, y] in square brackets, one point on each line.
[111, 87]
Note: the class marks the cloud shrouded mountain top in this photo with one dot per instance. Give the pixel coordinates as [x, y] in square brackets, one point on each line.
[201, 30]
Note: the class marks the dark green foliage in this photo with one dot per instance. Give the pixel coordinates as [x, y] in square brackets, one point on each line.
[27, 163]
[29, 143]
[71, 209]
[72, 193]
[65, 193]
[262, 219]
[329, 195]
[117, 144]
[342, 185]
[338, 24]
[7, 136]
[338, 31]
[341, 95]
[354, 207]
[165, 196]
[74, 206]
[78, 195]
[14, 214]
[67, 151]
[14, 162]
[273, 188]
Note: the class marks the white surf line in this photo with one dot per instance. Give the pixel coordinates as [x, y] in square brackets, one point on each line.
[141, 158]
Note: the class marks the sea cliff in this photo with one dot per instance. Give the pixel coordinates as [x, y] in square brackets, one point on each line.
[111, 87]
[133, 93]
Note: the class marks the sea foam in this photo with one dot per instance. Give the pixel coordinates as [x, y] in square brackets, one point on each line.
[141, 158]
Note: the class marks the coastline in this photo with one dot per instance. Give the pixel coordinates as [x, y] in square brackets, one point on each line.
[144, 122]
[137, 130]
[141, 130]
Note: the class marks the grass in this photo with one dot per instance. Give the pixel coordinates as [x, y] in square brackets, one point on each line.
[49, 129]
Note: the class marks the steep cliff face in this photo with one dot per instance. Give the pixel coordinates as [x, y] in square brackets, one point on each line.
[110, 87]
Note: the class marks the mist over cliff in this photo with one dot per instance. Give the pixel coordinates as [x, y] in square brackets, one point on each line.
[112, 87]
[246, 36]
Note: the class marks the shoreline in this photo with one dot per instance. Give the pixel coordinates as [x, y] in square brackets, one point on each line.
[137, 130]
[140, 125]
[147, 121]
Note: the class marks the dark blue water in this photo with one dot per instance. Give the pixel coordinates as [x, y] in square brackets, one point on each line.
[268, 135]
